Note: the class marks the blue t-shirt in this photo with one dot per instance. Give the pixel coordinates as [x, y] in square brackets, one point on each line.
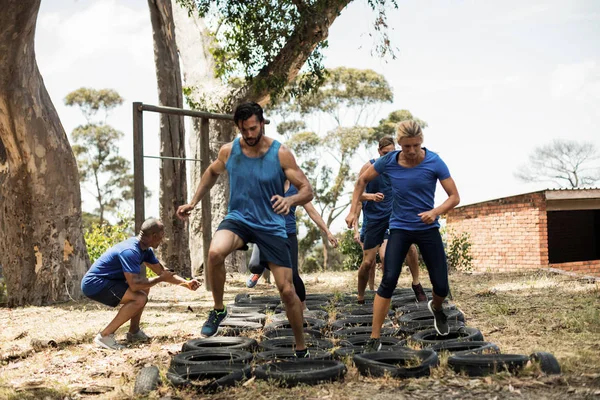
[413, 188]
[126, 256]
[252, 182]
[376, 211]
[290, 218]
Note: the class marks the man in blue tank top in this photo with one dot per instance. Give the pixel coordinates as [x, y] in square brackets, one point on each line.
[377, 208]
[257, 167]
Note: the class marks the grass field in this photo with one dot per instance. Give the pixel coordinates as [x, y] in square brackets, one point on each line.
[520, 313]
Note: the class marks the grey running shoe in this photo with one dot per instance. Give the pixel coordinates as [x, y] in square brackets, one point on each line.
[211, 326]
[440, 322]
[373, 345]
[419, 292]
[108, 342]
[139, 336]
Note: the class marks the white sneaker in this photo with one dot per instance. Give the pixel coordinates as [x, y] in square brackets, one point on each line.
[108, 342]
[139, 336]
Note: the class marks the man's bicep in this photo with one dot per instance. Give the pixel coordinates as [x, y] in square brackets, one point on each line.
[131, 279]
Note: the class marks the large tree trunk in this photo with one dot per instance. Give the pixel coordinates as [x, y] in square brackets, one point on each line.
[208, 94]
[173, 184]
[42, 248]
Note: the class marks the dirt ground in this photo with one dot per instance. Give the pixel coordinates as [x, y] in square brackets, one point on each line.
[520, 313]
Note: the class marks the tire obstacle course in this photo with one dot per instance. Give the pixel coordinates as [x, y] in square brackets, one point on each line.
[336, 331]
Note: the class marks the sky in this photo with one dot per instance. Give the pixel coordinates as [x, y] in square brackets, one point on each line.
[493, 80]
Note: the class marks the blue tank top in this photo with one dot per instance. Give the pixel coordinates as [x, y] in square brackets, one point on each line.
[290, 219]
[376, 211]
[252, 183]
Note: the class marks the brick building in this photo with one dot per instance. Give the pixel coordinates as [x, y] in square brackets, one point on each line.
[548, 228]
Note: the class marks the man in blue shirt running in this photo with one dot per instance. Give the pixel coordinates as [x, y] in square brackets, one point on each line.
[117, 278]
[257, 167]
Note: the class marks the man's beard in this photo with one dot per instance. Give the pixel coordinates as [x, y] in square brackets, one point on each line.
[256, 140]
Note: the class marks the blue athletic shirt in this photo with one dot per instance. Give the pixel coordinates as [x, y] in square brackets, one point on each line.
[377, 211]
[290, 219]
[252, 183]
[126, 256]
[413, 188]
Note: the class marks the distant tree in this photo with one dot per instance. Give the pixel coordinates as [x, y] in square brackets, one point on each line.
[565, 163]
[96, 147]
[387, 126]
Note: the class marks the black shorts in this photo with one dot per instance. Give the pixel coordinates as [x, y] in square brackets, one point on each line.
[273, 249]
[112, 294]
[375, 233]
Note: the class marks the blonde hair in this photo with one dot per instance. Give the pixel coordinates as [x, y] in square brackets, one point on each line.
[409, 129]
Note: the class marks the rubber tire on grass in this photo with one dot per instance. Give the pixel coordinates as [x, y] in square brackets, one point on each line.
[548, 363]
[275, 333]
[463, 348]
[316, 314]
[343, 333]
[356, 322]
[239, 342]
[212, 356]
[310, 323]
[409, 330]
[359, 312]
[361, 341]
[290, 354]
[246, 308]
[430, 337]
[425, 315]
[486, 364]
[308, 372]
[410, 308]
[223, 375]
[249, 317]
[344, 352]
[380, 363]
[289, 342]
[147, 380]
[244, 298]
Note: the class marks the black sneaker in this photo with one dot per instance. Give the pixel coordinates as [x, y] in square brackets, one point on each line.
[419, 292]
[440, 322]
[373, 345]
[211, 326]
[303, 353]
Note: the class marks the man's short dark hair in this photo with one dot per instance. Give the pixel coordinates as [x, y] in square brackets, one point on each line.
[151, 226]
[245, 111]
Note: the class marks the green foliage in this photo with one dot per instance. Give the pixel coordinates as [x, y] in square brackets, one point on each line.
[351, 250]
[458, 251]
[96, 147]
[250, 35]
[387, 126]
[101, 237]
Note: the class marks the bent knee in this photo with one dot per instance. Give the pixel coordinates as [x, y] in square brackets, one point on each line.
[215, 257]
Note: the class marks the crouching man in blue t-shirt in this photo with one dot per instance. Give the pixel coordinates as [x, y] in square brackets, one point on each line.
[117, 278]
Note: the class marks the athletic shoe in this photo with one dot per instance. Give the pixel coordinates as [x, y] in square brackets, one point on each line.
[253, 280]
[108, 342]
[419, 292]
[211, 325]
[139, 336]
[303, 353]
[373, 345]
[440, 322]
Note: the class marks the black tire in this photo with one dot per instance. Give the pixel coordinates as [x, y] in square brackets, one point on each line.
[308, 372]
[318, 297]
[310, 323]
[245, 308]
[316, 314]
[394, 362]
[481, 365]
[361, 341]
[548, 363]
[289, 343]
[409, 308]
[426, 316]
[211, 356]
[222, 375]
[147, 380]
[430, 337]
[249, 317]
[235, 327]
[362, 320]
[244, 298]
[343, 333]
[415, 327]
[290, 355]
[275, 333]
[463, 348]
[239, 342]
[358, 312]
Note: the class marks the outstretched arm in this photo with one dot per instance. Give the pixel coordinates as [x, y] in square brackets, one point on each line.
[316, 217]
[159, 269]
[208, 180]
[297, 178]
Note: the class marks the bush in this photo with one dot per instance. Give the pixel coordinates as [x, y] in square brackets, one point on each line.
[458, 251]
[351, 250]
[99, 238]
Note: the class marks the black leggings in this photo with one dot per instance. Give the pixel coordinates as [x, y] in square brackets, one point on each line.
[432, 249]
[298, 282]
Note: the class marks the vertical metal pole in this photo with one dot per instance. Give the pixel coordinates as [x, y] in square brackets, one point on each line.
[206, 206]
[138, 166]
